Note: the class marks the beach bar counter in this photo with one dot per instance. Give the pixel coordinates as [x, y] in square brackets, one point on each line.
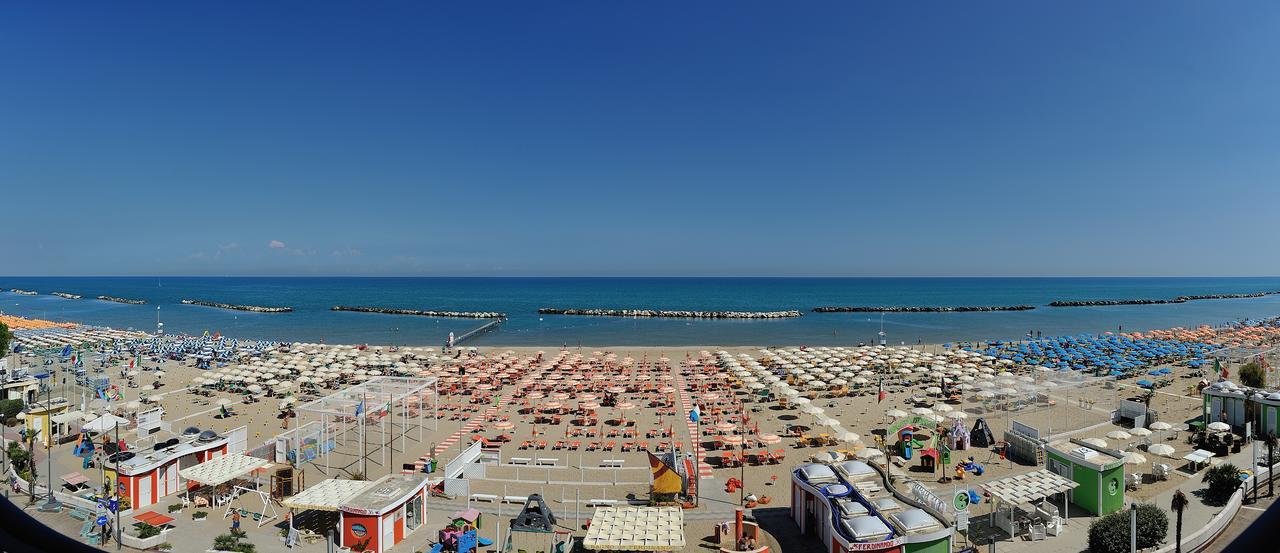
[846, 506]
[373, 516]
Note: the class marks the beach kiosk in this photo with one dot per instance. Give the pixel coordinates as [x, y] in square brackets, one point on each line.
[1098, 472]
[1225, 402]
[847, 507]
[147, 475]
[382, 515]
[50, 418]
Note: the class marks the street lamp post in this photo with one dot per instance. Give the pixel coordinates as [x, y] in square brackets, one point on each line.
[51, 504]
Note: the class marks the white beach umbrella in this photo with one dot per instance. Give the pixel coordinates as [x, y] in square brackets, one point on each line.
[1163, 450]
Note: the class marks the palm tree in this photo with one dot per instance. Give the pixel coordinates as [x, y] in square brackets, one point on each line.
[1178, 504]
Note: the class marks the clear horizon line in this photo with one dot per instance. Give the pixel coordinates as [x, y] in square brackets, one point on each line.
[481, 276]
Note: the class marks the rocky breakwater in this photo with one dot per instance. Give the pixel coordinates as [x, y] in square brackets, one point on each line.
[25, 292]
[65, 295]
[923, 309]
[672, 314]
[420, 313]
[253, 308]
[1179, 299]
[122, 300]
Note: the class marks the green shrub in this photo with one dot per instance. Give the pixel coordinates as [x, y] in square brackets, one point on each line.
[1252, 375]
[146, 530]
[9, 408]
[1110, 534]
[1223, 481]
[199, 514]
[175, 507]
[231, 542]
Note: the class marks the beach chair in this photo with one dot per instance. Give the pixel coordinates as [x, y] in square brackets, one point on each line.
[575, 444]
[593, 446]
[542, 444]
[609, 446]
[558, 445]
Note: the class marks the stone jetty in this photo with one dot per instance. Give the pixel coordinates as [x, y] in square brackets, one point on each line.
[122, 300]
[922, 309]
[25, 292]
[672, 314]
[442, 314]
[65, 295]
[1179, 299]
[254, 308]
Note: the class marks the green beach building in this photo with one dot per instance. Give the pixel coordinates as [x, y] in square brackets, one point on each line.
[1099, 471]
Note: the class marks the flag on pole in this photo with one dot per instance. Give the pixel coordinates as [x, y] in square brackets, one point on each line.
[360, 407]
[1217, 366]
[881, 395]
[695, 415]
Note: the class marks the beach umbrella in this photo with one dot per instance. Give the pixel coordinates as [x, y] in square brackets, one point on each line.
[895, 413]
[770, 439]
[1134, 458]
[828, 422]
[1099, 442]
[942, 408]
[961, 415]
[1163, 450]
[870, 453]
[1161, 425]
[921, 411]
[1140, 432]
[1219, 426]
[848, 437]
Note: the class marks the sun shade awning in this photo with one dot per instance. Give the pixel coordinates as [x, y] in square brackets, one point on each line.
[223, 469]
[328, 495]
[636, 529]
[1029, 487]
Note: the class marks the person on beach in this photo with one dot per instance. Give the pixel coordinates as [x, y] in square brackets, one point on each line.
[235, 520]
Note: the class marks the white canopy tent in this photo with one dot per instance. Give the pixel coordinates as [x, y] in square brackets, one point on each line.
[636, 529]
[105, 423]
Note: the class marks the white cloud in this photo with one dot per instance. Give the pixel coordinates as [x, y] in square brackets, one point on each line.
[275, 244]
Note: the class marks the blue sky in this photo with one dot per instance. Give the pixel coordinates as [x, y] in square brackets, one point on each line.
[642, 138]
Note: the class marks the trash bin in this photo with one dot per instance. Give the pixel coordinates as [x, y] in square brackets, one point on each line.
[430, 466]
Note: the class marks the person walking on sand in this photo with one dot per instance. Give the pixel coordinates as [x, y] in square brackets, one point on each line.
[235, 520]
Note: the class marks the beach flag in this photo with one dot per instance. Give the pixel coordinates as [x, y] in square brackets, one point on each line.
[695, 415]
[881, 395]
[1217, 366]
[66, 350]
[360, 408]
[665, 478]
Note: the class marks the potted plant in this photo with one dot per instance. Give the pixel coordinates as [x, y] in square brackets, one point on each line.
[175, 507]
[199, 515]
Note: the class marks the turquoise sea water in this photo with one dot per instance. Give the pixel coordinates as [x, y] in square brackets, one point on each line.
[521, 297]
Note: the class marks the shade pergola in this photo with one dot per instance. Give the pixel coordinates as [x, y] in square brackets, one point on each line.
[328, 495]
[386, 397]
[636, 529]
[223, 469]
[1030, 487]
